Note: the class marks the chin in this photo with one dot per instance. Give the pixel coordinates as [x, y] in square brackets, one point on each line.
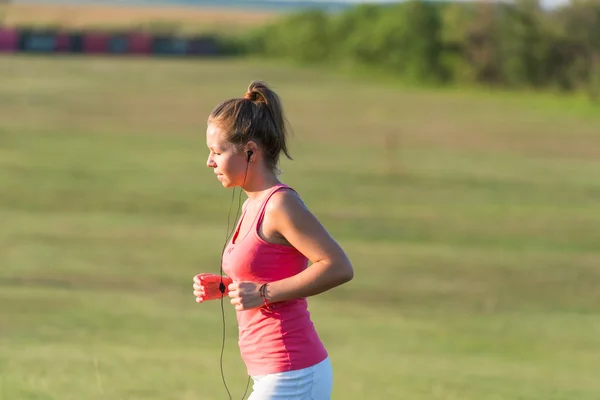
[227, 184]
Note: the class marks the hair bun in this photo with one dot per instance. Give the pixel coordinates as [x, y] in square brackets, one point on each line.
[258, 92]
[251, 95]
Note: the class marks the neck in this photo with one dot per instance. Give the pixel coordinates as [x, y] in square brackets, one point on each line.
[259, 182]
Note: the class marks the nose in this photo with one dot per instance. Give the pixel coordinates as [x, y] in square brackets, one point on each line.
[210, 163]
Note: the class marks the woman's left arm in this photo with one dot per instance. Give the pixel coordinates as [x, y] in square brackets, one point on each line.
[330, 265]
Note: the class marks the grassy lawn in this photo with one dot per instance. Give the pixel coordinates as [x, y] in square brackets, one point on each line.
[472, 219]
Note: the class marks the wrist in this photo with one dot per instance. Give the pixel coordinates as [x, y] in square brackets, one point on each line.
[225, 281]
[265, 295]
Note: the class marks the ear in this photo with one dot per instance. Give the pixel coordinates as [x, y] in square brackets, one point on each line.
[251, 146]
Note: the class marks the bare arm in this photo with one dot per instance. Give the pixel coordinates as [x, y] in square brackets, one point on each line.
[330, 265]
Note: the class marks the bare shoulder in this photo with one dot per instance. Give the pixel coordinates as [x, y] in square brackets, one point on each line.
[283, 213]
[286, 211]
[291, 220]
[285, 201]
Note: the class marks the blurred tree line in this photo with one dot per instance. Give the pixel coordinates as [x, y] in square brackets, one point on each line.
[513, 45]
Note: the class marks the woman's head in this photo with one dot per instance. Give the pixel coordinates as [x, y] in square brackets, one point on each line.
[254, 122]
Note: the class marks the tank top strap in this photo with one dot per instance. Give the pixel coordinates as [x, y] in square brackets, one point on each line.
[263, 207]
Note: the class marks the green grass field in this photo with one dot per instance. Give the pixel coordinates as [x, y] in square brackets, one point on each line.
[475, 239]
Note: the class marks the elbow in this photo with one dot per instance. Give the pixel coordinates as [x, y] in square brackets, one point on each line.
[346, 273]
[337, 272]
[350, 274]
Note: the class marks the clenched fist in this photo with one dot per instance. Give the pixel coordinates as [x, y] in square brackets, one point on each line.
[245, 295]
[206, 287]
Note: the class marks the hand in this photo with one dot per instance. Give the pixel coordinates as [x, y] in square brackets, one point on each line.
[206, 287]
[245, 295]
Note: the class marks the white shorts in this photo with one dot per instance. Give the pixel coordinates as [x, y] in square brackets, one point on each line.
[312, 383]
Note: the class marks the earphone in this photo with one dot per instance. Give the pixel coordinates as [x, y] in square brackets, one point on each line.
[222, 287]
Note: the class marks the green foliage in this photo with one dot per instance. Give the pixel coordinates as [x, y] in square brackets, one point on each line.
[302, 37]
[517, 45]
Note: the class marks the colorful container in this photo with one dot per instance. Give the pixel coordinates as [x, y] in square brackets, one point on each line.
[76, 42]
[37, 41]
[118, 44]
[63, 42]
[203, 46]
[96, 43]
[9, 40]
[140, 43]
[170, 46]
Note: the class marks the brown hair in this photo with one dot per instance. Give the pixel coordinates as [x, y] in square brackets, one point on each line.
[258, 116]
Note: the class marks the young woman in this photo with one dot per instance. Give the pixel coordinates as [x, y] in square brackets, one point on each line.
[266, 261]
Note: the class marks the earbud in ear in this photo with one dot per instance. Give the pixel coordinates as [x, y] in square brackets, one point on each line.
[250, 154]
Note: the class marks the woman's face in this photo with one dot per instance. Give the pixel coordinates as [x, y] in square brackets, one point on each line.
[228, 163]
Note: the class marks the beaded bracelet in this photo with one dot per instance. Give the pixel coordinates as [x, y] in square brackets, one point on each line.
[264, 296]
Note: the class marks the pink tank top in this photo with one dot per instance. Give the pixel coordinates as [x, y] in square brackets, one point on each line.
[284, 338]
